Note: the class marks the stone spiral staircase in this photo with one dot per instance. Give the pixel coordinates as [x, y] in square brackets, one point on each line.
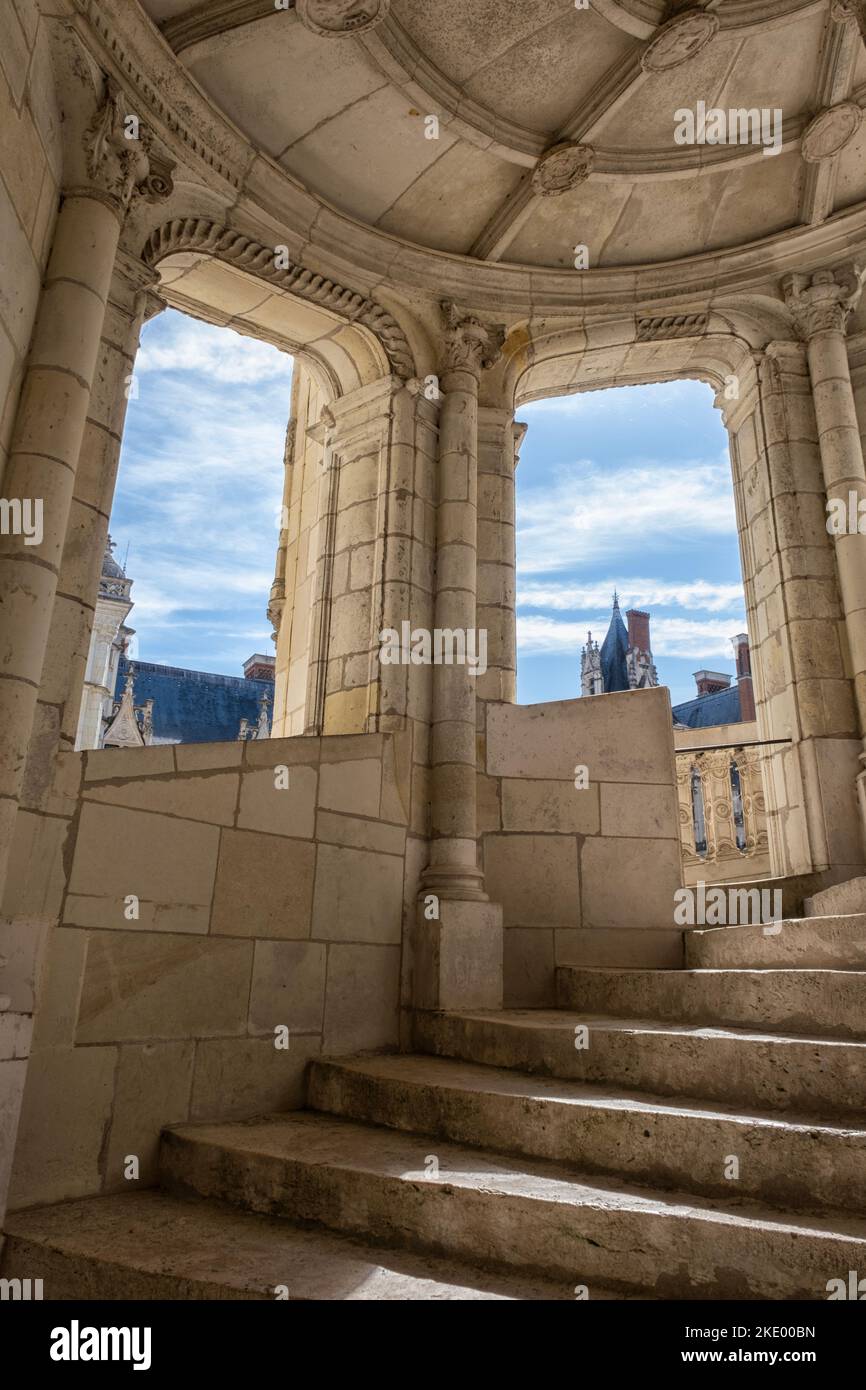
[707, 1141]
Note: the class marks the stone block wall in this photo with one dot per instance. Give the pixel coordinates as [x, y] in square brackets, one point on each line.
[205, 907]
[585, 877]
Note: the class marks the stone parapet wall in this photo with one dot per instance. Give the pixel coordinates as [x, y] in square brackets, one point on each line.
[585, 877]
[258, 907]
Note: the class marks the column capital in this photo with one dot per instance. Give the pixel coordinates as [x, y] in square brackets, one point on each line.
[822, 300]
[119, 160]
[470, 345]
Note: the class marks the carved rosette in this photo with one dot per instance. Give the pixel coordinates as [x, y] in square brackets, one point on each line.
[830, 131]
[561, 168]
[339, 18]
[822, 301]
[119, 166]
[470, 345]
[680, 40]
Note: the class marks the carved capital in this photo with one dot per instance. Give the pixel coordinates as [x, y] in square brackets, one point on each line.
[470, 345]
[120, 157]
[338, 18]
[823, 300]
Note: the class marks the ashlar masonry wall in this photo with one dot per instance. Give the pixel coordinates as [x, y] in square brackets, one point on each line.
[259, 906]
[585, 876]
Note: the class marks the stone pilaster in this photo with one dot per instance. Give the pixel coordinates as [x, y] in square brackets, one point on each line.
[820, 305]
[498, 441]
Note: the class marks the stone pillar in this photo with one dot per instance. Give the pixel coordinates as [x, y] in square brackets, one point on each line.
[453, 870]
[104, 169]
[57, 712]
[498, 442]
[820, 305]
[458, 947]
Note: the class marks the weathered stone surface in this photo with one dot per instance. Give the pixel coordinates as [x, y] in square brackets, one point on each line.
[142, 987]
[264, 887]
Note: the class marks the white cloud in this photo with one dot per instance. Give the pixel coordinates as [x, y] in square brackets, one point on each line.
[219, 354]
[634, 593]
[590, 513]
[684, 637]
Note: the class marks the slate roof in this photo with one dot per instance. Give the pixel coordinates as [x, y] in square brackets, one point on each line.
[707, 710]
[194, 706]
[613, 651]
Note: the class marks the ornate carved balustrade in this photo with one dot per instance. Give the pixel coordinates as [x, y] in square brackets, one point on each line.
[722, 812]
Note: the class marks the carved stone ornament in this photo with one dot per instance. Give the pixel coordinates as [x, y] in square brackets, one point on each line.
[199, 234]
[830, 131]
[681, 39]
[470, 345]
[336, 18]
[850, 9]
[823, 300]
[562, 167]
[121, 165]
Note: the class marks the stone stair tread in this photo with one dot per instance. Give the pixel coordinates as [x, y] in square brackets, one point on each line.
[319, 1141]
[568, 1019]
[446, 1073]
[152, 1245]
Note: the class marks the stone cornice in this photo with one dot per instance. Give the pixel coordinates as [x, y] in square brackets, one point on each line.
[199, 234]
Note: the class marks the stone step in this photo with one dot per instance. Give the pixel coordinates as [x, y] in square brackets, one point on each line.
[503, 1212]
[783, 1162]
[149, 1245]
[739, 1067]
[829, 1003]
[840, 898]
[824, 943]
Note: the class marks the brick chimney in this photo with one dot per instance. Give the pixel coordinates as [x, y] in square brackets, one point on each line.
[259, 668]
[744, 675]
[711, 682]
[638, 630]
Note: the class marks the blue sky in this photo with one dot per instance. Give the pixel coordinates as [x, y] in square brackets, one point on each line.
[627, 489]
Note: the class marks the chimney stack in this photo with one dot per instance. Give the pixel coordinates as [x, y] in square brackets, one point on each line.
[638, 630]
[711, 682]
[744, 675]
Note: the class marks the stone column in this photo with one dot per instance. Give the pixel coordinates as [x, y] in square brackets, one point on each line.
[498, 442]
[820, 306]
[107, 162]
[58, 706]
[453, 871]
[458, 944]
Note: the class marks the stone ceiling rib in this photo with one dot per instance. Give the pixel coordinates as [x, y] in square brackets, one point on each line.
[838, 60]
[212, 18]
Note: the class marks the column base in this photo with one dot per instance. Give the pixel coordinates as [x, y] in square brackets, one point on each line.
[456, 882]
[458, 956]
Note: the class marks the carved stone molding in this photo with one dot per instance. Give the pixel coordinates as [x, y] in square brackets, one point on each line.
[850, 9]
[830, 131]
[470, 345]
[680, 40]
[214, 17]
[339, 18]
[561, 168]
[198, 234]
[671, 326]
[822, 301]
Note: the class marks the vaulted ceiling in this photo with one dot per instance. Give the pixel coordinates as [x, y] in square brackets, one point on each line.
[339, 93]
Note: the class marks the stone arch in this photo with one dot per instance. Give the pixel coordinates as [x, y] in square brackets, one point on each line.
[779, 499]
[348, 339]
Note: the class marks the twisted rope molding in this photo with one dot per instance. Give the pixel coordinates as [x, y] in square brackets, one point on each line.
[198, 234]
